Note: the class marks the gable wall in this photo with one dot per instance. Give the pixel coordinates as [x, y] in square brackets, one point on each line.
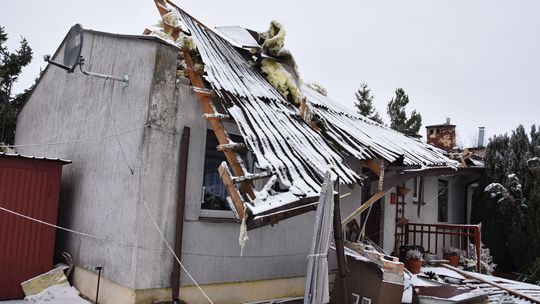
[98, 194]
[102, 197]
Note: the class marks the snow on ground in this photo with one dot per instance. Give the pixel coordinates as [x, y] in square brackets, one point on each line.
[56, 294]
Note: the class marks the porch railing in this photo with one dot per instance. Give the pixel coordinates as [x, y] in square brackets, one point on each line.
[434, 237]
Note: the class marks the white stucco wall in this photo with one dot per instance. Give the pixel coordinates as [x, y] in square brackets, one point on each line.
[428, 212]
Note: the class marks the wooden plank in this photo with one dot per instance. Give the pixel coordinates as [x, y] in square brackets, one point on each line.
[303, 108]
[372, 200]
[206, 102]
[235, 196]
[301, 206]
[462, 161]
[251, 177]
[217, 116]
[373, 166]
[231, 147]
[199, 90]
[477, 277]
[174, 31]
[198, 72]
[161, 6]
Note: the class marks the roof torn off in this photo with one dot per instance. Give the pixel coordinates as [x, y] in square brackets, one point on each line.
[297, 148]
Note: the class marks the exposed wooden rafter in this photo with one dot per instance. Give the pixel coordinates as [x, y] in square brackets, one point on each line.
[372, 200]
[226, 145]
[373, 166]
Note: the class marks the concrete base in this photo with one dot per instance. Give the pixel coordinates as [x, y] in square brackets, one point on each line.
[226, 293]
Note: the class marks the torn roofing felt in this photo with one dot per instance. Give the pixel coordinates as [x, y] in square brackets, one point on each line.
[276, 134]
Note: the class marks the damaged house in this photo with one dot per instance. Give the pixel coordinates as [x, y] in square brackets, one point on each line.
[215, 135]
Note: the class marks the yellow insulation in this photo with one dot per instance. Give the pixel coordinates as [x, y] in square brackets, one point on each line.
[274, 38]
[281, 80]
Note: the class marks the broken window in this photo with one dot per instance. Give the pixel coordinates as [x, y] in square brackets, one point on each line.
[214, 191]
[443, 200]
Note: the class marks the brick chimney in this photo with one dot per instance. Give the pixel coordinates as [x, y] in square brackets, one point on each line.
[442, 136]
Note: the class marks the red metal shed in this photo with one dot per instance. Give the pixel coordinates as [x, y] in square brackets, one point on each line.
[29, 186]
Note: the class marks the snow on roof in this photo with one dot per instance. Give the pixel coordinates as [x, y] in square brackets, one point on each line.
[366, 139]
[17, 155]
[270, 125]
[495, 293]
[280, 140]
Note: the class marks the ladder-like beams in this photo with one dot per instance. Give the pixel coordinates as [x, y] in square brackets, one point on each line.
[232, 156]
[229, 184]
[227, 146]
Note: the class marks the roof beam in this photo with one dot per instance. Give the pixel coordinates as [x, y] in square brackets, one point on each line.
[373, 166]
[372, 200]
[235, 196]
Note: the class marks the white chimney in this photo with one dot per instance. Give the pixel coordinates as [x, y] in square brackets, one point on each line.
[447, 120]
[481, 131]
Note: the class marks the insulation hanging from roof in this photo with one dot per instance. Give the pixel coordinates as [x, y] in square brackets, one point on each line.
[281, 70]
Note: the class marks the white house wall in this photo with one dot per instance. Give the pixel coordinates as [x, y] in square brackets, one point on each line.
[212, 254]
[429, 211]
[99, 193]
[102, 197]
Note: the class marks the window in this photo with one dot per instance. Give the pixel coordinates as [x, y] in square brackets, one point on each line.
[415, 189]
[443, 201]
[214, 191]
[418, 183]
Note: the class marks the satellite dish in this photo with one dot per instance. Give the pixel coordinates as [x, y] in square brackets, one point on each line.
[72, 50]
[73, 58]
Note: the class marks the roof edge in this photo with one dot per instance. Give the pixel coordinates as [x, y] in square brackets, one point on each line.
[17, 155]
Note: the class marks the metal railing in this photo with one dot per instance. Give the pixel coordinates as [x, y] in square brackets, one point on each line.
[434, 237]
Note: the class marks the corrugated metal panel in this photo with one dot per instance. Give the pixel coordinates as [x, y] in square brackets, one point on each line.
[30, 187]
[228, 71]
[3, 154]
[271, 127]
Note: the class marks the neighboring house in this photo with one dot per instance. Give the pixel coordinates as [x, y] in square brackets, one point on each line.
[443, 199]
[124, 141]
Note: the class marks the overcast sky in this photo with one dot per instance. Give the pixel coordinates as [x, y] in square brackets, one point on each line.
[477, 62]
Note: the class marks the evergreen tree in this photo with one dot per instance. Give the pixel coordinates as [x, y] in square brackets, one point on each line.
[508, 201]
[485, 207]
[398, 117]
[11, 65]
[364, 103]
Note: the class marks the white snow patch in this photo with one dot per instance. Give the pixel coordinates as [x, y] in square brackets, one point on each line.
[58, 294]
[274, 201]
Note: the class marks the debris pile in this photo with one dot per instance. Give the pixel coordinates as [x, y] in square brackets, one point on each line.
[52, 287]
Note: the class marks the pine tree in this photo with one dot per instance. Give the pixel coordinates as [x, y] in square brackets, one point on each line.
[364, 103]
[398, 117]
[510, 220]
[11, 65]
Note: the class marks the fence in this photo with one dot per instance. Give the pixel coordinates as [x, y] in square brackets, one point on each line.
[435, 236]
